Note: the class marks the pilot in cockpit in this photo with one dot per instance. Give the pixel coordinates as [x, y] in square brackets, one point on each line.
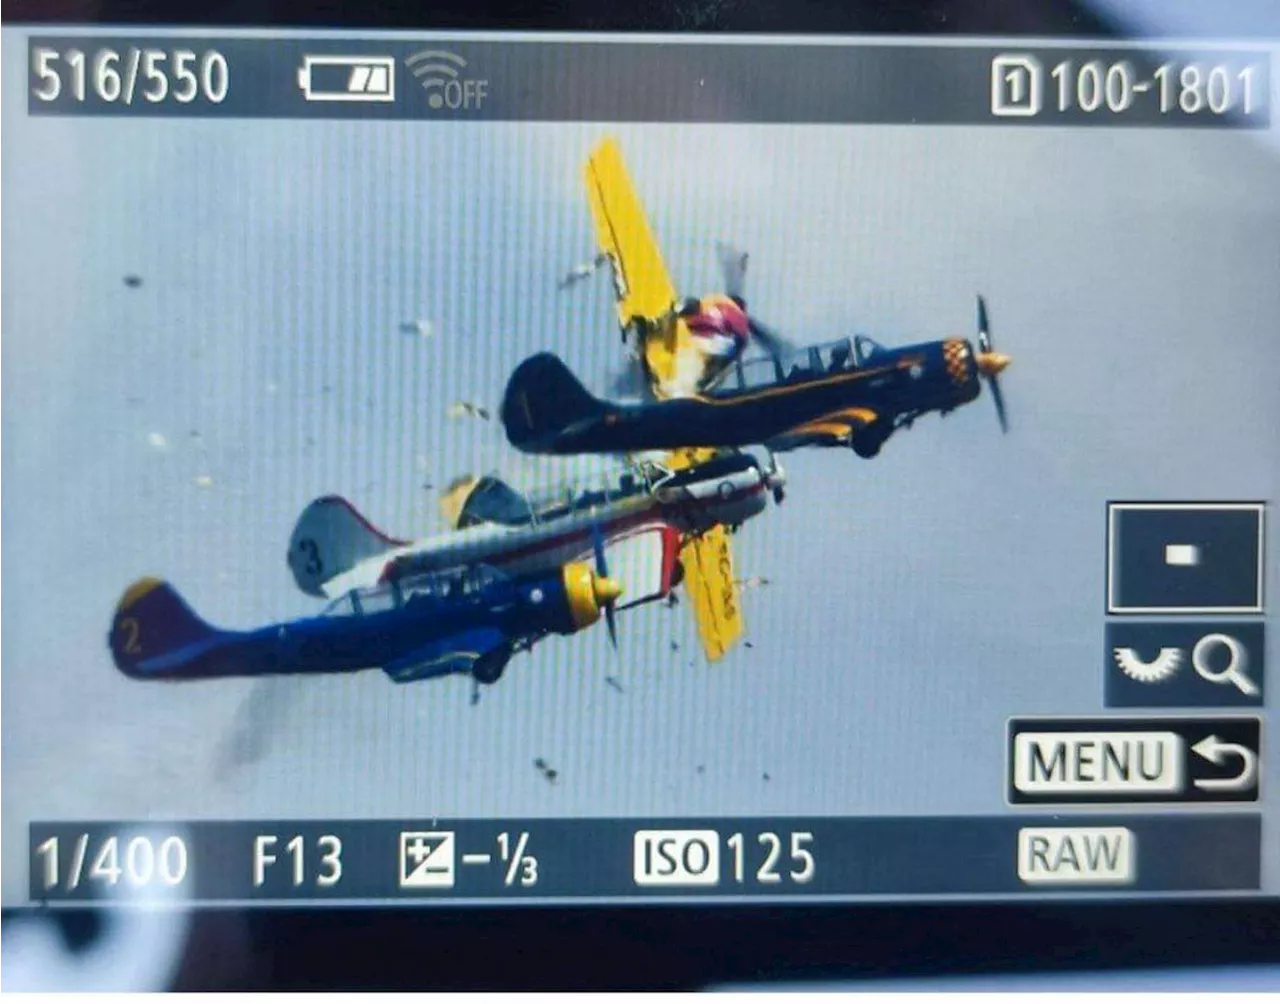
[718, 322]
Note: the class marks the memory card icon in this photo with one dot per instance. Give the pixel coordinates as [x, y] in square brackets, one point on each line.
[348, 78]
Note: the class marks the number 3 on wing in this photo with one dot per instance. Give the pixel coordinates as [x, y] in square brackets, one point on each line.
[802, 863]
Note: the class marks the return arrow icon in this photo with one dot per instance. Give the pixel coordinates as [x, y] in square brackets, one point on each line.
[1216, 752]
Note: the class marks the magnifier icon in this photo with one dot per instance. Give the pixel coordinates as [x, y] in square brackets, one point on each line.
[1235, 670]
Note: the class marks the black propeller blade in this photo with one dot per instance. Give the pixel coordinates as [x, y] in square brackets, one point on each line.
[602, 570]
[776, 477]
[991, 363]
[733, 270]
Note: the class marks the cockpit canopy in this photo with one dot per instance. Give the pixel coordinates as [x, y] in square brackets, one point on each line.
[451, 584]
[800, 364]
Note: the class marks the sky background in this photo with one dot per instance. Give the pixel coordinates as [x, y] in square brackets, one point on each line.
[916, 601]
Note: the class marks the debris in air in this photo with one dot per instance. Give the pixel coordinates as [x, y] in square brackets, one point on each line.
[157, 440]
[767, 777]
[550, 773]
[748, 644]
[468, 409]
[701, 769]
[752, 582]
[675, 645]
[421, 328]
[204, 481]
[579, 272]
[613, 682]
[133, 281]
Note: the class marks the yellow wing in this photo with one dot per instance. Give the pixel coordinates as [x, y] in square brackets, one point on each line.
[644, 290]
[708, 578]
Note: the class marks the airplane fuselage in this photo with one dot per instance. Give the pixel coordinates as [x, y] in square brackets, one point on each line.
[359, 639]
[528, 549]
[787, 412]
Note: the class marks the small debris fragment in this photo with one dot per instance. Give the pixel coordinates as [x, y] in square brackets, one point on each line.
[133, 400]
[422, 328]
[272, 387]
[539, 763]
[752, 582]
[701, 769]
[204, 481]
[133, 281]
[468, 409]
[427, 486]
[550, 773]
[748, 644]
[766, 776]
[580, 272]
[675, 645]
[612, 681]
[157, 440]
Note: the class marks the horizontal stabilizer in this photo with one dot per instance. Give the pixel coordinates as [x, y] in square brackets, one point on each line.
[331, 538]
[457, 653]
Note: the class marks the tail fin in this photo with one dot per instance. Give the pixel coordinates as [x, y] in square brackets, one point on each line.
[331, 538]
[544, 398]
[152, 621]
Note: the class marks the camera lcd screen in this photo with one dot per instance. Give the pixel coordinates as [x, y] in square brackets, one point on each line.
[462, 468]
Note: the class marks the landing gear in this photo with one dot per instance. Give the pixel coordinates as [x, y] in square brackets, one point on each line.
[867, 442]
[489, 667]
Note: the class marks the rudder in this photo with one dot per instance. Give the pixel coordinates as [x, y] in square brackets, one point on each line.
[543, 398]
[151, 621]
[329, 539]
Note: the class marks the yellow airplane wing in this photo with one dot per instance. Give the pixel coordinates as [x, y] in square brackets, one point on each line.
[644, 290]
[708, 575]
[708, 578]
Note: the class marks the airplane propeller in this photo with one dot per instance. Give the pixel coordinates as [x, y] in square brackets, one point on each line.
[991, 363]
[733, 271]
[602, 572]
[775, 477]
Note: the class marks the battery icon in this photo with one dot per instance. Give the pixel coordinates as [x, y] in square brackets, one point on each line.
[348, 78]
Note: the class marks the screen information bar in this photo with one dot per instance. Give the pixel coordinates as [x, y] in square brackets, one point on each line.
[555, 859]
[620, 81]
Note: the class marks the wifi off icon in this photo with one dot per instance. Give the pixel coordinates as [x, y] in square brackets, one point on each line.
[441, 75]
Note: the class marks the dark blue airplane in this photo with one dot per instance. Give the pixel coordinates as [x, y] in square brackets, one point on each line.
[469, 621]
[851, 393]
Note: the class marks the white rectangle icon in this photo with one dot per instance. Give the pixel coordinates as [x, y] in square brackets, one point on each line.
[1098, 763]
[1181, 555]
[1077, 855]
[676, 858]
[427, 860]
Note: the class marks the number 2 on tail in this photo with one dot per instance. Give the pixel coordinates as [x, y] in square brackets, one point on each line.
[130, 628]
